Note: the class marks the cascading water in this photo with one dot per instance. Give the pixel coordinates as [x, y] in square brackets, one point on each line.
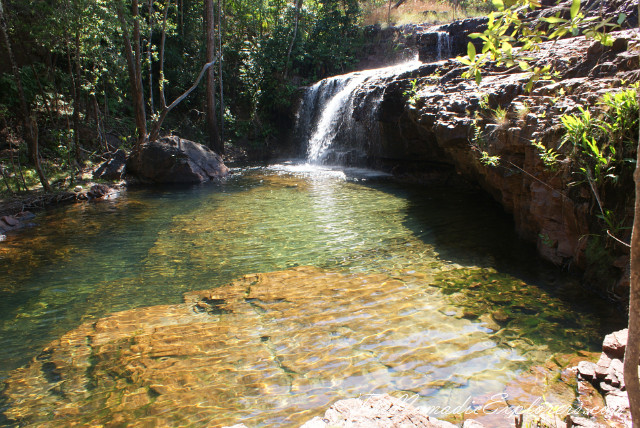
[443, 44]
[337, 115]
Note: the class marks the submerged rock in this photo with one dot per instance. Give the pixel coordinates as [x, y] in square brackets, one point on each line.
[14, 222]
[176, 160]
[376, 411]
[261, 350]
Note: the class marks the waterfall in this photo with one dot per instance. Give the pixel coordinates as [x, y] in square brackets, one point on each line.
[443, 45]
[337, 115]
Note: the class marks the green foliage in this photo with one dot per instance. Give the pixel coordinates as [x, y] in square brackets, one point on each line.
[507, 29]
[549, 157]
[488, 160]
[603, 147]
[620, 115]
[499, 114]
[603, 144]
[411, 94]
[477, 139]
[546, 240]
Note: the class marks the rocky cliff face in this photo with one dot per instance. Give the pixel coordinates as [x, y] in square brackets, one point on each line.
[449, 121]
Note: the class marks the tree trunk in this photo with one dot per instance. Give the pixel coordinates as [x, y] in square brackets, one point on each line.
[154, 134]
[6, 179]
[211, 119]
[30, 128]
[35, 156]
[135, 74]
[163, 38]
[220, 59]
[632, 353]
[76, 99]
[293, 38]
[149, 58]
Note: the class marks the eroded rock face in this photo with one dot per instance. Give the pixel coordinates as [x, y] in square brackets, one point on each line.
[450, 121]
[176, 160]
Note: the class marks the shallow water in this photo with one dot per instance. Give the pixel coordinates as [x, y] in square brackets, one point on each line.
[463, 306]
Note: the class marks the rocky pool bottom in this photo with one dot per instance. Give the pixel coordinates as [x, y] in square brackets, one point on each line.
[369, 287]
[272, 350]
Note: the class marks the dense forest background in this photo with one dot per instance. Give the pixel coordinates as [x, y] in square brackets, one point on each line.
[65, 83]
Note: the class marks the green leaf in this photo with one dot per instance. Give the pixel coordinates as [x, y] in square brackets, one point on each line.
[575, 8]
[498, 4]
[524, 65]
[478, 77]
[471, 52]
[621, 18]
[553, 20]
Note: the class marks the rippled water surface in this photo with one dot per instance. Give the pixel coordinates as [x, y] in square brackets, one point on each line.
[376, 287]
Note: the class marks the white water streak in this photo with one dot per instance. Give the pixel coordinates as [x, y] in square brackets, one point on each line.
[337, 109]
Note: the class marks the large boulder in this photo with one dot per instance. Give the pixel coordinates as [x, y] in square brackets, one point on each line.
[175, 160]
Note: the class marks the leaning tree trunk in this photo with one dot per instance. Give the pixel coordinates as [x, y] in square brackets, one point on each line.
[35, 156]
[30, 128]
[212, 123]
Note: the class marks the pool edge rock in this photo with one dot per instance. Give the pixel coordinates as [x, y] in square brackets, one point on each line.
[174, 160]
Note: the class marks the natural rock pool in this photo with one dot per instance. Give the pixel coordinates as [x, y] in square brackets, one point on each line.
[320, 284]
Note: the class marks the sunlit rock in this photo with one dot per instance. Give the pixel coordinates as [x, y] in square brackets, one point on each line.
[175, 160]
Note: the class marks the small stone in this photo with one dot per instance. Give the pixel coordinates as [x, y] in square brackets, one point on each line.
[470, 423]
[612, 380]
[469, 314]
[615, 373]
[589, 398]
[25, 215]
[501, 316]
[615, 343]
[602, 366]
[99, 191]
[604, 386]
[77, 189]
[617, 401]
[10, 221]
[578, 421]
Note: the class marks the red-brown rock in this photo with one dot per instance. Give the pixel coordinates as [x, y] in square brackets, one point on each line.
[615, 343]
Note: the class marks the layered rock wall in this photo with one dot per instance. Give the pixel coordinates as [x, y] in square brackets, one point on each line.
[450, 123]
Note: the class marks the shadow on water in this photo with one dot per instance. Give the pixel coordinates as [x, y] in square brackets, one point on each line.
[501, 275]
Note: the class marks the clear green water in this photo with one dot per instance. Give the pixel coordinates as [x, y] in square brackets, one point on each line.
[150, 246]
